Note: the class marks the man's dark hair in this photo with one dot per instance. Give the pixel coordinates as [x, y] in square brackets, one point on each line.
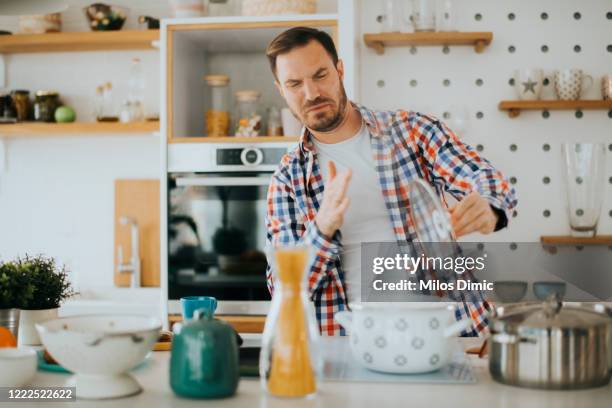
[298, 37]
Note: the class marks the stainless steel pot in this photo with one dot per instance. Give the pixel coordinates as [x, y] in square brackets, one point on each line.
[9, 318]
[551, 345]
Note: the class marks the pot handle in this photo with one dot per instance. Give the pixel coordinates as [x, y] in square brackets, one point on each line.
[505, 338]
[457, 327]
[345, 318]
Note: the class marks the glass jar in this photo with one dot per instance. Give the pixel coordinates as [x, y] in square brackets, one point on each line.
[45, 103]
[21, 102]
[290, 362]
[248, 123]
[7, 110]
[275, 125]
[217, 116]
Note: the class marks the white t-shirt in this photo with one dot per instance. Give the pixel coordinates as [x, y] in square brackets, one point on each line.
[367, 218]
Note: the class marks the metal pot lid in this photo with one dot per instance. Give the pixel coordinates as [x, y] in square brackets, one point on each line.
[548, 315]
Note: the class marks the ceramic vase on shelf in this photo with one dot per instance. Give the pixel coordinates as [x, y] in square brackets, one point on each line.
[28, 335]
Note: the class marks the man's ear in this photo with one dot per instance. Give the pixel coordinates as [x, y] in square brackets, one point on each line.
[340, 69]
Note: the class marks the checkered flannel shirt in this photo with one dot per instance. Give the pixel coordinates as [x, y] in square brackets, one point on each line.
[406, 145]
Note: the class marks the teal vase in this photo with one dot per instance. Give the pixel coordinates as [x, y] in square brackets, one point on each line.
[204, 358]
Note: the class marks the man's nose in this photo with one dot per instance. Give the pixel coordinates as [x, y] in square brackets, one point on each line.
[311, 91]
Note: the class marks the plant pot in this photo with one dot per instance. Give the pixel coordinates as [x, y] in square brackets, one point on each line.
[9, 318]
[28, 336]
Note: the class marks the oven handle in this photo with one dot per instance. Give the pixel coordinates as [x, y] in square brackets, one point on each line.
[223, 181]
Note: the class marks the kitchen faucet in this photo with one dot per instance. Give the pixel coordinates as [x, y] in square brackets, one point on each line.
[133, 266]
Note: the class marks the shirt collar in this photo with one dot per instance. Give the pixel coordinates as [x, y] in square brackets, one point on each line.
[373, 125]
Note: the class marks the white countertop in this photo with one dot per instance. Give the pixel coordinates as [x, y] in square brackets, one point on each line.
[153, 377]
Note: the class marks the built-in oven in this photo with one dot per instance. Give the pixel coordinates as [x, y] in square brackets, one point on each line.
[216, 229]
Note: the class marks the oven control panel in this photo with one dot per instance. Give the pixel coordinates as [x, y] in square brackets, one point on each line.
[249, 156]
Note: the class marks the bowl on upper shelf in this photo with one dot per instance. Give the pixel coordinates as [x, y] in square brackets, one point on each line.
[510, 291]
[105, 17]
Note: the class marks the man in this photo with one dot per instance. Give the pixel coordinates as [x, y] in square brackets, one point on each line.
[346, 181]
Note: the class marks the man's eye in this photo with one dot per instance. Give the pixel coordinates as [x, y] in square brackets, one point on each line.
[320, 76]
[294, 84]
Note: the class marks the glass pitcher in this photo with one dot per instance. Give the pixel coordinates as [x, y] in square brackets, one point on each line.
[290, 362]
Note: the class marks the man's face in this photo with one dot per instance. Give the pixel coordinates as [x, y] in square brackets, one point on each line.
[312, 86]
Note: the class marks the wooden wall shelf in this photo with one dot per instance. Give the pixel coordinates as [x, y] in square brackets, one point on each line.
[79, 41]
[569, 240]
[233, 139]
[75, 128]
[240, 323]
[514, 108]
[378, 41]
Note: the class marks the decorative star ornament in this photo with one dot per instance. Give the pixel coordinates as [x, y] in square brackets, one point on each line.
[529, 86]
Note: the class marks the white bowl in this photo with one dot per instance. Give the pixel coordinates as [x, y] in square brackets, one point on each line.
[17, 366]
[402, 338]
[100, 350]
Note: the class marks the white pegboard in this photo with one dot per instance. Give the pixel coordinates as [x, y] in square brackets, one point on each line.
[479, 81]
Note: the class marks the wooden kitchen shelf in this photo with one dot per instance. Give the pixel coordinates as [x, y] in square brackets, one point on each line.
[569, 240]
[79, 41]
[75, 128]
[240, 323]
[514, 108]
[234, 139]
[378, 41]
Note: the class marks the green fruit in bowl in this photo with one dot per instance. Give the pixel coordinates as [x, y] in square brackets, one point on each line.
[65, 114]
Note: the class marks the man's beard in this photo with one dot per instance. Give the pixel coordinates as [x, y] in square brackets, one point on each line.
[327, 123]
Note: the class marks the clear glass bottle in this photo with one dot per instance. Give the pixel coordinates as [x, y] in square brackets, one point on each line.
[136, 88]
[248, 123]
[290, 362]
[217, 118]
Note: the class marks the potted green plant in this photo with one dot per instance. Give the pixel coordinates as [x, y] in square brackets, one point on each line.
[12, 293]
[46, 286]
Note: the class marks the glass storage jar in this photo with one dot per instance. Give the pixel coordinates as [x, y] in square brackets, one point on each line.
[249, 121]
[21, 102]
[217, 115]
[45, 103]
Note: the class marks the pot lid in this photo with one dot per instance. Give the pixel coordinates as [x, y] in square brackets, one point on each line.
[548, 315]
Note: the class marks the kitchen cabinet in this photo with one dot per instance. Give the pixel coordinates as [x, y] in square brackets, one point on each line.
[233, 46]
[139, 200]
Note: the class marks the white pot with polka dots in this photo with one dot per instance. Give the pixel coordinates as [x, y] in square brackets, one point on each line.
[402, 338]
[570, 84]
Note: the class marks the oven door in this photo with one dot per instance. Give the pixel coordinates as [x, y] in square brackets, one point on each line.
[216, 238]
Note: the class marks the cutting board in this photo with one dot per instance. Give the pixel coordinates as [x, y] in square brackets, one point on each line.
[138, 199]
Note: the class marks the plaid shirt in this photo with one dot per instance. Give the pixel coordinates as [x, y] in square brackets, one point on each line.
[406, 145]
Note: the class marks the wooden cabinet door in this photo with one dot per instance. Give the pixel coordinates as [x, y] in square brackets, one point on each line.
[138, 199]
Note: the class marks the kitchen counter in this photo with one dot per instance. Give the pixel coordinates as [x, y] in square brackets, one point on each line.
[153, 376]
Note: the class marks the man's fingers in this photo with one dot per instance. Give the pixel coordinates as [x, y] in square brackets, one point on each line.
[344, 182]
[331, 166]
[465, 204]
[470, 215]
[343, 205]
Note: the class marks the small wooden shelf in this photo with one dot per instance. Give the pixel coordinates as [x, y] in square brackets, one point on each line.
[514, 108]
[240, 323]
[234, 139]
[569, 240]
[25, 129]
[378, 41]
[79, 41]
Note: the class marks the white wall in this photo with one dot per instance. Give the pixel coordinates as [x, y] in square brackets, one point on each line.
[496, 131]
[57, 195]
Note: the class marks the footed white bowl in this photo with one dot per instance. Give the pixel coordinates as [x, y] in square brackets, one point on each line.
[100, 350]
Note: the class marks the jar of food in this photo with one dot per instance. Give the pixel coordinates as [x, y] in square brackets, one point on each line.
[275, 125]
[249, 120]
[21, 101]
[45, 104]
[7, 110]
[217, 116]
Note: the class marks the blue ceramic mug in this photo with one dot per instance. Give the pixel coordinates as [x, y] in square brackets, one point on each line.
[192, 303]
